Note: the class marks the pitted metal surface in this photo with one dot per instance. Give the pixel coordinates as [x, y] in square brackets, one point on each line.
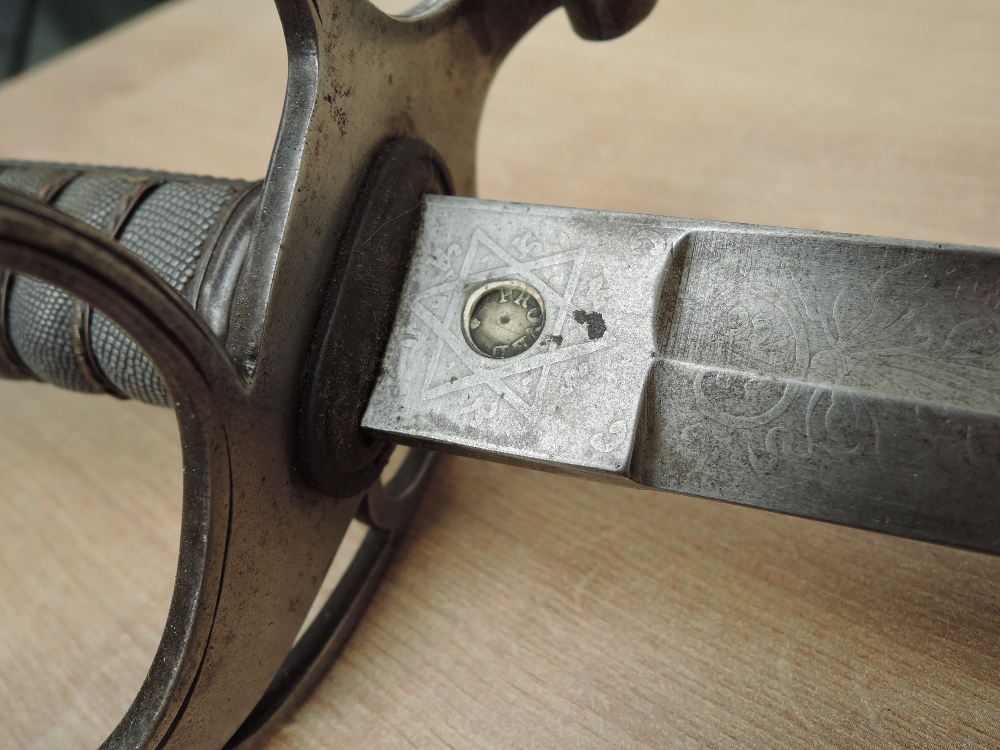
[168, 232]
[169, 229]
[850, 379]
[42, 318]
[37, 181]
[258, 533]
[95, 198]
[125, 364]
[42, 182]
[169, 224]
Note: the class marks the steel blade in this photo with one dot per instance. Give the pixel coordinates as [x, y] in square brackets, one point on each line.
[844, 378]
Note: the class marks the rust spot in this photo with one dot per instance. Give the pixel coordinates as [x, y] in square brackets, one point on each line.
[550, 338]
[340, 117]
[594, 322]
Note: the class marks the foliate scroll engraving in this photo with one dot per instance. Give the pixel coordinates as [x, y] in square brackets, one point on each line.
[444, 260]
[845, 378]
[571, 299]
[648, 241]
[596, 292]
[525, 246]
[613, 437]
[479, 412]
[835, 453]
[803, 346]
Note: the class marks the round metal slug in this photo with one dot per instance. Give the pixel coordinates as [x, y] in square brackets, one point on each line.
[501, 319]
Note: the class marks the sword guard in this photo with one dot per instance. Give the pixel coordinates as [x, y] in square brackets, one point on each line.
[276, 467]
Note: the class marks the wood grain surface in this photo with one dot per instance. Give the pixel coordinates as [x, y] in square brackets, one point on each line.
[526, 610]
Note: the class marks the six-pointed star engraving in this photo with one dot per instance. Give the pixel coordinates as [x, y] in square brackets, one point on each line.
[556, 276]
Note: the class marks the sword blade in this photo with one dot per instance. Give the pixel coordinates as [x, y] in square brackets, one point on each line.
[849, 379]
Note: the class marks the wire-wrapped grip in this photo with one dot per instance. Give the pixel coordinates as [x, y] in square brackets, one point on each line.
[189, 230]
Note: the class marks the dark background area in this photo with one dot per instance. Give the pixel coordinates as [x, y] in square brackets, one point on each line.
[32, 31]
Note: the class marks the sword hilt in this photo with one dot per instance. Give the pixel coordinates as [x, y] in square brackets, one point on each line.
[380, 111]
[193, 232]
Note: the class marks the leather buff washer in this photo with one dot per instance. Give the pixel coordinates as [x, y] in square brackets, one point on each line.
[233, 290]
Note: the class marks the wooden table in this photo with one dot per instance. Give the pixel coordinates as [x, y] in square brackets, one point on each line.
[528, 610]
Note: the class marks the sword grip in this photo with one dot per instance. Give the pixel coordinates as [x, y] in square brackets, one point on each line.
[191, 231]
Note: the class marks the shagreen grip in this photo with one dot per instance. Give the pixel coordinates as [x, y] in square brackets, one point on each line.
[191, 231]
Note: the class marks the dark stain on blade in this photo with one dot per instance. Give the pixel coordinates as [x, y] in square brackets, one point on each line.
[594, 322]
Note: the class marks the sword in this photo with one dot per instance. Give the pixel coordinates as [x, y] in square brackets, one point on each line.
[677, 255]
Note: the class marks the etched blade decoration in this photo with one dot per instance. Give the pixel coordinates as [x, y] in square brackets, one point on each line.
[849, 379]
